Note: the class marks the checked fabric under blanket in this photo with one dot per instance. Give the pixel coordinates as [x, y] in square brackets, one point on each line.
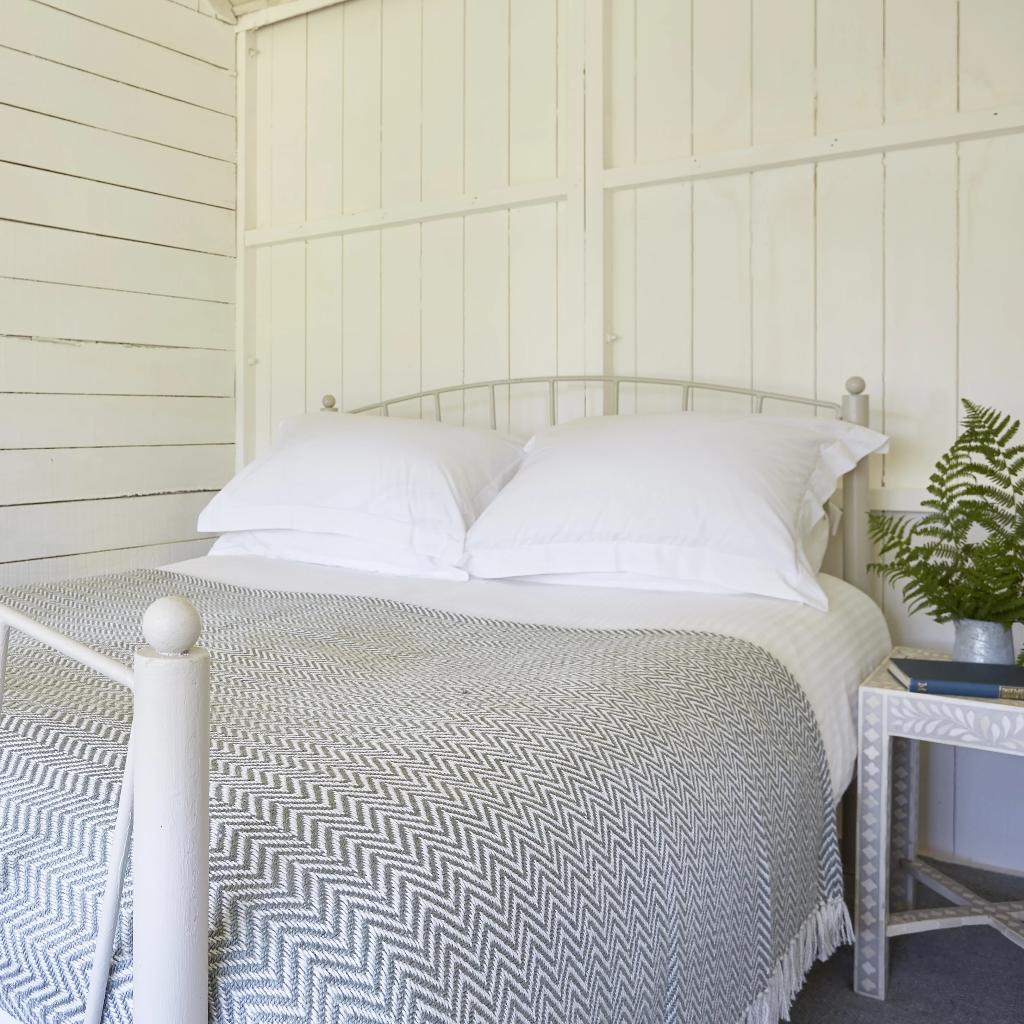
[431, 818]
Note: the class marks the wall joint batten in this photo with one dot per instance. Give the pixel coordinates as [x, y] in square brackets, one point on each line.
[955, 128]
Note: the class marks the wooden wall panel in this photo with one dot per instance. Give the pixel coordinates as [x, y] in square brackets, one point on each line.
[744, 258]
[991, 43]
[31, 83]
[94, 47]
[920, 311]
[117, 194]
[990, 366]
[722, 326]
[372, 106]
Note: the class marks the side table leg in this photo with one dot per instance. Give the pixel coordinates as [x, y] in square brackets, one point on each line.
[903, 842]
[871, 954]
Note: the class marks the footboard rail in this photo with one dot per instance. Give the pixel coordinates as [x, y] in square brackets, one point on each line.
[163, 809]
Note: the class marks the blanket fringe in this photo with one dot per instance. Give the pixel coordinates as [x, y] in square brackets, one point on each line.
[820, 935]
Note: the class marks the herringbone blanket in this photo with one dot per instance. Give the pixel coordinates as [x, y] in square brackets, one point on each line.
[425, 818]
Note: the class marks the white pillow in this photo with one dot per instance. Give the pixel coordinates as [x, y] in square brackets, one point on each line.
[689, 501]
[408, 488]
[332, 549]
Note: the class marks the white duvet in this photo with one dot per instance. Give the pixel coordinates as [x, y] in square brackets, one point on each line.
[828, 653]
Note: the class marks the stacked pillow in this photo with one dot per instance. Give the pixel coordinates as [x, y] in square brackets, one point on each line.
[363, 492]
[686, 501]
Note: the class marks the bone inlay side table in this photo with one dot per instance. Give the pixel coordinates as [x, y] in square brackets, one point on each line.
[892, 723]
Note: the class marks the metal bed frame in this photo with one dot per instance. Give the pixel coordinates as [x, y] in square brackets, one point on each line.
[163, 805]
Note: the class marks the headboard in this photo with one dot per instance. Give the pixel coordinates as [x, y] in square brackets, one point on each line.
[854, 407]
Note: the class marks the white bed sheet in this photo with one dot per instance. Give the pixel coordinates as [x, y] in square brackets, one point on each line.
[828, 653]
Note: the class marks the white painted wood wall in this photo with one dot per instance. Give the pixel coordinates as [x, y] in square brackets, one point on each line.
[435, 193]
[117, 241]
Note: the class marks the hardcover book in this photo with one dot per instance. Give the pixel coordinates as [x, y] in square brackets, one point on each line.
[959, 678]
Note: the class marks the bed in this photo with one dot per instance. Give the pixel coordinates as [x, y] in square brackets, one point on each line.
[423, 800]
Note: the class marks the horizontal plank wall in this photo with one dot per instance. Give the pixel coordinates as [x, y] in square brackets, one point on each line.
[117, 240]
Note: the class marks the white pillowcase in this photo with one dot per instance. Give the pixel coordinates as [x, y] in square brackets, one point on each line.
[399, 491]
[688, 501]
[332, 549]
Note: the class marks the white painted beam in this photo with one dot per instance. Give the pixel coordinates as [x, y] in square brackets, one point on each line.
[955, 128]
[416, 213]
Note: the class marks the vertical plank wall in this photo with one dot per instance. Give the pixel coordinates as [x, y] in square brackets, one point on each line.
[374, 107]
[901, 266]
[752, 254]
[117, 186]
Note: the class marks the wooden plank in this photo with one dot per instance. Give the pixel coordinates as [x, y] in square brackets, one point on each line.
[287, 331]
[618, 97]
[324, 137]
[487, 94]
[920, 311]
[664, 345]
[920, 59]
[533, 311]
[62, 367]
[850, 78]
[323, 320]
[401, 122]
[40, 85]
[487, 310]
[400, 353]
[288, 123]
[68, 257]
[39, 140]
[442, 310]
[162, 23]
[53, 570]
[721, 289]
[42, 197]
[443, 156]
[86, 421]
[259, 366]
[783, 279]
[361, 167]
[991, 43]
[76, 474]
[533, 92]
[783, 70]
[721, 74]
[663, 79]
[361, 320]
[47, 531]
[621, 288]
[35, 28]
[850, 315]
[42, 310]
[991, 361]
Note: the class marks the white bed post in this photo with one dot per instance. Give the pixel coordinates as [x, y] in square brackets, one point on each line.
[856, 408]
[170, 861]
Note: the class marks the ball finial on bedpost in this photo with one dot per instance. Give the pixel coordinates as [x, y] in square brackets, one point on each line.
[171, 626]
[855, 385]
[328, 404]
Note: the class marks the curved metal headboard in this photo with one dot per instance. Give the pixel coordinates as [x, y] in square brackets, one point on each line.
[613, 391]
[854, 407]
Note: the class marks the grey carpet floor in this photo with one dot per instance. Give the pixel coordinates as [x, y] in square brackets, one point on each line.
[947, 977]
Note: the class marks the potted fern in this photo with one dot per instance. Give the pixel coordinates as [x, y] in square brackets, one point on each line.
[963, 560]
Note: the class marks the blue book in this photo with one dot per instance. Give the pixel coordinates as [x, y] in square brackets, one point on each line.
[959, 678]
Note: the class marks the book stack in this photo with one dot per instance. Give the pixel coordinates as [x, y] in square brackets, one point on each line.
[959, 678]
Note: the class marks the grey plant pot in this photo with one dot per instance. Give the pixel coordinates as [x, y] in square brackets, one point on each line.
[987, 642]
